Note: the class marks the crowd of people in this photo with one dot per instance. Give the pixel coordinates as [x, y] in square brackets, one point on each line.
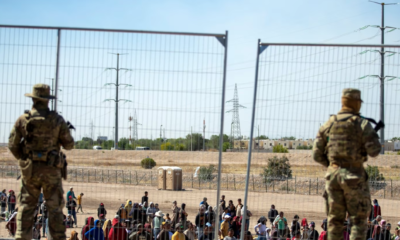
[146, 221]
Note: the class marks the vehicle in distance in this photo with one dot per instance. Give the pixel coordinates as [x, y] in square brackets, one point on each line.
[142, 148]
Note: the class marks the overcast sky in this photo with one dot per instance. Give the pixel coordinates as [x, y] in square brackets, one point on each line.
[271, 21]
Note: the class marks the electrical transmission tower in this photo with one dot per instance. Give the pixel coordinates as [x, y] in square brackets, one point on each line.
[382, 77]
[133, 120]
[117, 100]
[235, 125]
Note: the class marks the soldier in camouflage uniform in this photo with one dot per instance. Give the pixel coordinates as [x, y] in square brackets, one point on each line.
[35, 141]
[343, 144]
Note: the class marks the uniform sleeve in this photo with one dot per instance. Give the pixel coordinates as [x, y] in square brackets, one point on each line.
[66, 140]
[320, 143]
[370, 139]
[14, 141]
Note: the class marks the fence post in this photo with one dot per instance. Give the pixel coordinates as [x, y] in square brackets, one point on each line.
[273, 186]
[88, 175]
[253, 182]
[234, 181]
[102, 176]
[95, 175]
[199, 181]
[130, 177]
[151, 178]
[137, 180]
[192, 180]
[309, 187]
[227, 181]
[116, 176]
[295, 184]
[108, 175]
[317, 186]
[287, 185]
[384, 191]
[391, 189]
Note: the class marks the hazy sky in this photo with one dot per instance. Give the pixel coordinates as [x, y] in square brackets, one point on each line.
[271, 21]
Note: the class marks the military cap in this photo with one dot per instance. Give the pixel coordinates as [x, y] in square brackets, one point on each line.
[40, 92]
[351, 93]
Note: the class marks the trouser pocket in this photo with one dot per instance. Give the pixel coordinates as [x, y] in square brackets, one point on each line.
[26, 167]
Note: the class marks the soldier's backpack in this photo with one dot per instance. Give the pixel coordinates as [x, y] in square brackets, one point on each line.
[344, 136]
[39, 139]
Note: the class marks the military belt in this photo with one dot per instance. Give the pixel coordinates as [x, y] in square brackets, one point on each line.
[346, 165]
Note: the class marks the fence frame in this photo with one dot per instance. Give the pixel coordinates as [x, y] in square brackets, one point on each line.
[222, 39]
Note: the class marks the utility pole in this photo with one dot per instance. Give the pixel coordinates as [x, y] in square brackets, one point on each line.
[161, 133]
[116, 100]
[258, 137]
[204, 135]
[382, 75]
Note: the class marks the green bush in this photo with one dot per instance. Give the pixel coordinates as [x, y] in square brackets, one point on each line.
[225, 146]
[206, 173]
[373, 173]
[277, 168]
[304, 147]
[279, 149]
[148, 163]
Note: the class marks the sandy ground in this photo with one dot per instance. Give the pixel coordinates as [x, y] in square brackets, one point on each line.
[112, 195]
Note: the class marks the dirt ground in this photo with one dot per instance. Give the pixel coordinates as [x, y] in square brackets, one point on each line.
[113, 195]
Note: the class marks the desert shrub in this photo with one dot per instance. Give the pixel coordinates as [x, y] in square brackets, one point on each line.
[304, 147]
[373, 173]
[148, 163]
[206, 173]
[277, 168]
[279, 149]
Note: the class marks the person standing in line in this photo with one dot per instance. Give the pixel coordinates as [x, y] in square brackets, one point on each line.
[377, 208]
[179, 235]
[343, 144]
[12, 201]
[101, 210]
[280, 222]
[35, 141]
[204, 202]
[200, 221]
[223, 201]
[272, 214]
[175, 213]
[71, 205]
[3, 199]
[157, 223]
[261, 229]
[145, 198]
[80, 203]
[239, 208]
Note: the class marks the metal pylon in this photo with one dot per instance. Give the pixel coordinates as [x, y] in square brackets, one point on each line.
[235, 125]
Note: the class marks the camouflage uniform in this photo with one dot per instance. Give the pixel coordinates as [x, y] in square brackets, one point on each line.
[343, 144]
[37, 167]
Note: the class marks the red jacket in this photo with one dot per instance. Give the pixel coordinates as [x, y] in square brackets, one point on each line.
[117, 232]
[377, 210]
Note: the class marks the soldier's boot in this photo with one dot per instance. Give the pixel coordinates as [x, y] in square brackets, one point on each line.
[28, 197]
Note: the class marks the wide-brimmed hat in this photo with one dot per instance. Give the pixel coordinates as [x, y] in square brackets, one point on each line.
[352, 93]
[40, 92]
[159, 214]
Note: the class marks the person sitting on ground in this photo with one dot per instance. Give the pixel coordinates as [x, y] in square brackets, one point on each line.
[101, 210]
[312, 233]
[74, 235]
[230, 235]
[69, 221]
[95, 233]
